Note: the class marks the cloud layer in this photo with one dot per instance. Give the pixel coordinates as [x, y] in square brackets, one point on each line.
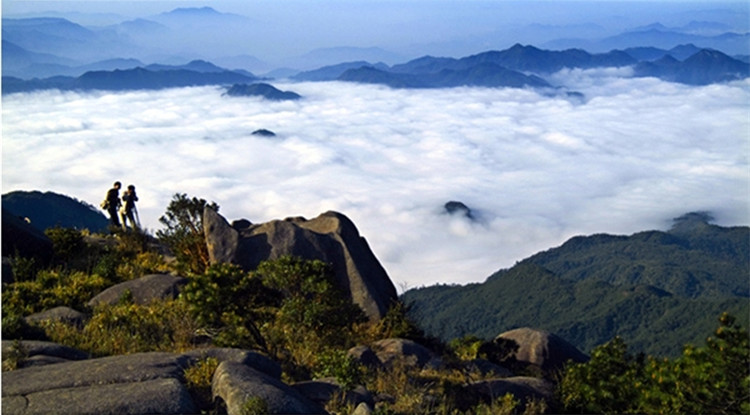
[536, 169]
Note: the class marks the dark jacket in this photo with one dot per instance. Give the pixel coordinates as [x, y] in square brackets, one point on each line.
[129, 199]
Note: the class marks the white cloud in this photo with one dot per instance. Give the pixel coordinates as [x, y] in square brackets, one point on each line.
[535, 169]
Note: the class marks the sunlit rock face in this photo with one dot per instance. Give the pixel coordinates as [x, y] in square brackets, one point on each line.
[330, 237]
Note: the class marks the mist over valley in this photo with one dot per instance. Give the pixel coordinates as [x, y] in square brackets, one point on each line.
[539, 141]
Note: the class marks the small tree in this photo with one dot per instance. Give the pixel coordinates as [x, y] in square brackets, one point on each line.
[228, 301]
[714, 379]
[314, 313]
[607, 384]
[184, 233]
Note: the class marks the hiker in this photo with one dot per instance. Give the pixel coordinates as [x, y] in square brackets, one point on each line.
[128, 210]
[112, 203]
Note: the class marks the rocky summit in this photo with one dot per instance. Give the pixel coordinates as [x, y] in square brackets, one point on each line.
[330, 237]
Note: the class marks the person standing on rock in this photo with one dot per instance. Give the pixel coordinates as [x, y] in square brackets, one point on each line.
[112, 203]
[128, 211]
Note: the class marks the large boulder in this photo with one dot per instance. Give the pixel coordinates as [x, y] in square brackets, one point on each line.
[331, 237]
[63, 314]
[250, 358]
[522, 388]
[322, 391]
[143, 290]
[236, 384]
[405, 351]
[35, 353]
[137, 367]
[140, 383]
[543, 349]
[156, 396]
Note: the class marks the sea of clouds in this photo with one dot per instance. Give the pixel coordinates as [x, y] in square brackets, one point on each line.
[536, 168]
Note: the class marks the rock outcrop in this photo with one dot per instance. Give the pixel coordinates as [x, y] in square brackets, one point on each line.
[521, 387]
[322, 391]
[236, 383]
[37, 352]
[142, 290]
[408, 352]
[331, 237]
[64, 314]
[542, 349]
[139, 383]
[142, 383]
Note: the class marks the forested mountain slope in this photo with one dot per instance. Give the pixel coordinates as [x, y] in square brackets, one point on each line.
[657, 290]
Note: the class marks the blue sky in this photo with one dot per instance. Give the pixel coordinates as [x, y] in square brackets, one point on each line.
[409, 28]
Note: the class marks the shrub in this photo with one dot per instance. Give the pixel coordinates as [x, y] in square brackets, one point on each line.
[143, 263]
[14, 356]
[337, 364]
[313, 314]
[198, 379]
[227, 301]
[711, 379]
[128, 328]
[395, 324]
[254, 406]
[605, 384]
[466, 348]
[52, 288]
[66, 243]
[23, 269]
[184, 232]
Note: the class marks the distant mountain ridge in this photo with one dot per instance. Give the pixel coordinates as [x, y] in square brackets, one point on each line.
[518, 67]
[522, 58]
[703, 68]
[207, 33]
[658, 290]
[662, 37]
[484, 74]
[525, 66]
[129, 79]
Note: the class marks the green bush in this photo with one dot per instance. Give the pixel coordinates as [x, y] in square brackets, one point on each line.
[66, 243]
[254, 406]
[128, 328]
[52, 288]
[712, 379]
[338, 364]
[466, 348]
[227, 301]
[198, 379]
[23, 269]
[184, 232]
[313, 314]
[141, 264]
[606, 384]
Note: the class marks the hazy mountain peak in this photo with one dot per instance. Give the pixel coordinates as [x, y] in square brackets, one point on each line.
[193, 11]
[651, 27]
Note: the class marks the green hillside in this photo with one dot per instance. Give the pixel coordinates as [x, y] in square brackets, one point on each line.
[49, 209]
[656, 290]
